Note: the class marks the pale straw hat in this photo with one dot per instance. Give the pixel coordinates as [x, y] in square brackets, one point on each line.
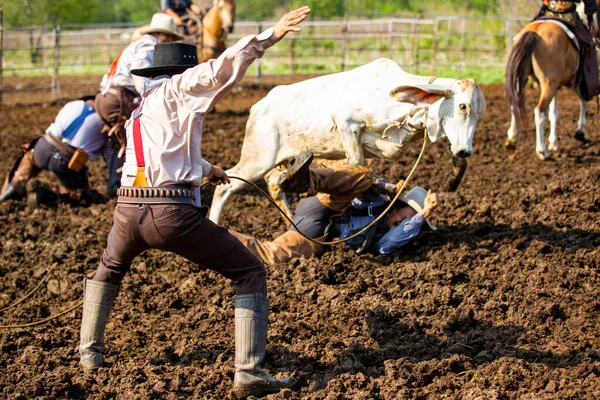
[161, 23]
[415, 199]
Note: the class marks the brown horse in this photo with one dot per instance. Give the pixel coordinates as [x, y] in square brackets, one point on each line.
[545, 53]
[216, 24]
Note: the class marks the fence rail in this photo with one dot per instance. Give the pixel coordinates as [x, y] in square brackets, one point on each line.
[456, 45]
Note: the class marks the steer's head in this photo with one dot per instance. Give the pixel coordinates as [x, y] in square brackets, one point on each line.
[453, 111]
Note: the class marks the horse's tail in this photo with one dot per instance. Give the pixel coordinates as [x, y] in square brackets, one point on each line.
[518, 69]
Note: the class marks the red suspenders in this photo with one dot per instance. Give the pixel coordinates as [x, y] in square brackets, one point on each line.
[140, 175]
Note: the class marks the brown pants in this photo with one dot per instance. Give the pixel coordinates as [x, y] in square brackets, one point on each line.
[331, 191]
[183, 230]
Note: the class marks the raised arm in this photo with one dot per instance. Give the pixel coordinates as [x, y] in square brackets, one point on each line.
[202, 86]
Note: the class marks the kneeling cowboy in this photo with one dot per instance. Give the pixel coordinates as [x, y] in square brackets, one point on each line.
[70, 141]
[159, 202]
[566, 11]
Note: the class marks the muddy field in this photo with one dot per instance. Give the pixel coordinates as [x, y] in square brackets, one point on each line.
[501, 302]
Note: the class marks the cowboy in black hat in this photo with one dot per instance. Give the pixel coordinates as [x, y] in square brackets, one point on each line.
[70, 141]
[159, 207]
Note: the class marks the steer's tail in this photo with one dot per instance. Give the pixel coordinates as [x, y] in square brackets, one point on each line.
[518, 70]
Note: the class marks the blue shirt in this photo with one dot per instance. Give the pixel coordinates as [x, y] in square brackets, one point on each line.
[179, 6]
[391, 241]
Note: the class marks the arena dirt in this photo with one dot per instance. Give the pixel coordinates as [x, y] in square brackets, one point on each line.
[501, 302]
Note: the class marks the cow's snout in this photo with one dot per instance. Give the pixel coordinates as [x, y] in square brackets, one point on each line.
[464, 153]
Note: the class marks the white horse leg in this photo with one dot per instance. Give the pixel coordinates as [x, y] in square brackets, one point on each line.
[511, 141]
[540, 146]
[553, 118]
[580, 132]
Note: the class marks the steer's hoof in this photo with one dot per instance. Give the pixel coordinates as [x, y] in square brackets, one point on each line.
[511, 146]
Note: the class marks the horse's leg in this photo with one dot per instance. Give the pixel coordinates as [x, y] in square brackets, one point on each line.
[553, 118]
[580, 132]
[540, 113]
[511, 140]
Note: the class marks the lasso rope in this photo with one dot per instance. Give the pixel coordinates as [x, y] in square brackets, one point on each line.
[376, 220]
[272, 201]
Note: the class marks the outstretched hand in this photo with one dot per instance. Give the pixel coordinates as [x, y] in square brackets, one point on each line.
[430, 203]
[288, 22]
[217, 176]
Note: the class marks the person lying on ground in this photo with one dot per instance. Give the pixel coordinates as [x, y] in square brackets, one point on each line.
[340, 202]
[73, 138]
[158, 205]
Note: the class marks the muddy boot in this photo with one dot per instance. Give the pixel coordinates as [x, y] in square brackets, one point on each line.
[9, 193]
[381, 185]
[39, 192]
[98, 299]
[251, 321]
[296, 178]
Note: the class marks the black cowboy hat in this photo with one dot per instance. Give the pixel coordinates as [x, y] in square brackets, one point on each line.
[170, 58]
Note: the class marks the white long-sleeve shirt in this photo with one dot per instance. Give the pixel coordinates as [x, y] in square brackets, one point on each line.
[88, 138]
[173, 112]
[137, 55]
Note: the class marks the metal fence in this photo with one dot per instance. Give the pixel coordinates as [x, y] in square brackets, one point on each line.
[443, 45]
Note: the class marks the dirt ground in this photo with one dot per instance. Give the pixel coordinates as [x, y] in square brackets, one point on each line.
[501, 302]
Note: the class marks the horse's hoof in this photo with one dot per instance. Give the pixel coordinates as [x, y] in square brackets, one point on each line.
[544, 156]
[580, 136]
[510, 146]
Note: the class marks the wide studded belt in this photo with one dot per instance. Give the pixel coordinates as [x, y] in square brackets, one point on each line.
[155, 195]
[59, 144]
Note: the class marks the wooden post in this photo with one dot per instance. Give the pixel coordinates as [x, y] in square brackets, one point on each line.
[258, 62]
[108, 52]
[434, 46]
[1, 50]
[508, 37]
[463, 49]
[292, 56]
[344, 44]
[415, 50]
[55, 74]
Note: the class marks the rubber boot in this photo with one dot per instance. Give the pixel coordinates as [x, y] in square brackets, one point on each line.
[8, 193]
[251, 321]
[98, 300]
[296, 178]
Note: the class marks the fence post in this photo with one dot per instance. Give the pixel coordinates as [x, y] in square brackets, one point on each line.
[344, 30]
[292, 56]
[415, 49]
[107, 38]
[258, 62]
[1, 50]
[508, 35]
[55, 74]
[463, 48]
[434, 45]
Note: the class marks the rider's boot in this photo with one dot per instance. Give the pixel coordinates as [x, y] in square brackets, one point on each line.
[98, 300]
[251, 322]
[296, 179]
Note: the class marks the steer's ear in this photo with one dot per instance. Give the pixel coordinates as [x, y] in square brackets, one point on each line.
[420, 96]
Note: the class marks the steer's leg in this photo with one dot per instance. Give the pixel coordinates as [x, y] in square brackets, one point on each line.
[553, 118]
[580, 132]
[350, 134]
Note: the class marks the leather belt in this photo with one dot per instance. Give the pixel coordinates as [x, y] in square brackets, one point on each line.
[59, 144]
[155, 195]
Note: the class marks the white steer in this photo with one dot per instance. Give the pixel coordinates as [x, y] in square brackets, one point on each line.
[371, 111]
